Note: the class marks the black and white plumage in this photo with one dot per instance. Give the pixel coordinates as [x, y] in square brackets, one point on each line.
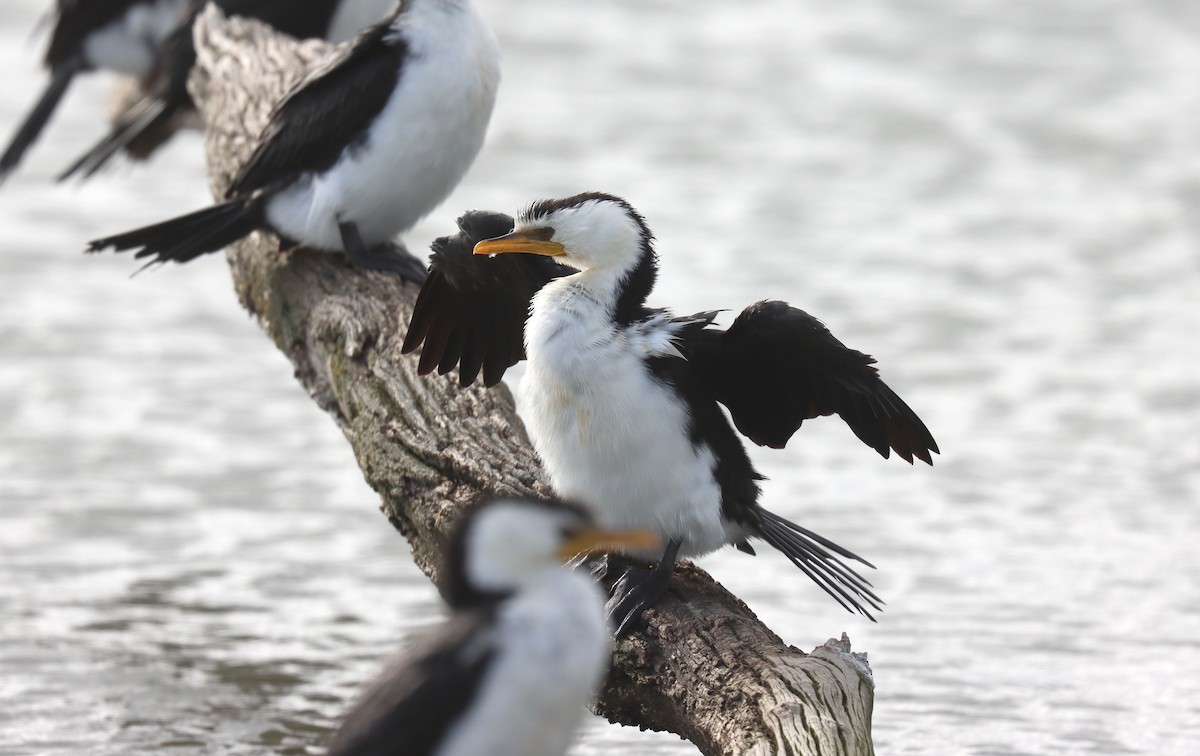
[622, 401]
[361, 148]
[110, 35]
[148, 123]
[509, 674]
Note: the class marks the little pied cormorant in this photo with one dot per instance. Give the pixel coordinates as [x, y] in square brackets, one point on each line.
[621, 401]
[109, 35]
[366, 144]
[509, 674]
[148, 123]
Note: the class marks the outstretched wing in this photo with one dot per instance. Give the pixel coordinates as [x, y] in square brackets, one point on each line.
[410, 707]
[472, 309]
[778, 366]
[326, 112]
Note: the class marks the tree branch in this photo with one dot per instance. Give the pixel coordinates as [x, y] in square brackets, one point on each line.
[705, 667]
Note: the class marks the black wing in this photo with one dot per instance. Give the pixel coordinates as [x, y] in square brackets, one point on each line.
[326, 112]
[409, 708]
[778, 366]
[472, 309]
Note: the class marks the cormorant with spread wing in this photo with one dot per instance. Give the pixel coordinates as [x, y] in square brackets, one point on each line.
[621, 401]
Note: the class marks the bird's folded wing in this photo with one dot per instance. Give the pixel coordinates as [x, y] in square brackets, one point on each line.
[471, 311]
[329, 110]
[778, 366]
[411, 706]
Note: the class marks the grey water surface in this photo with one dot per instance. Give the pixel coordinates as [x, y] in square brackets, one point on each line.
[996, 198]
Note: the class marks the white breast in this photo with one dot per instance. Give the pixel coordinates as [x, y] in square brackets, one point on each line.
[419, 147]
[555, 650]
[611, 436]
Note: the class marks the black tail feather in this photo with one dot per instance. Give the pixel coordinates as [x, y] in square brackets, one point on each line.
[812, 554]
[189, 236]
[37, 119]
[831, 574]
[146, 115]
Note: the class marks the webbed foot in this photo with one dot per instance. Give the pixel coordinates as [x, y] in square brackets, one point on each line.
[638, 590]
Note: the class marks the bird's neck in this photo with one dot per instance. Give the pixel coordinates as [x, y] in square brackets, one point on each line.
[568, 314]
[592, 292]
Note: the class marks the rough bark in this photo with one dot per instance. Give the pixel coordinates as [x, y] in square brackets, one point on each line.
[705, 667]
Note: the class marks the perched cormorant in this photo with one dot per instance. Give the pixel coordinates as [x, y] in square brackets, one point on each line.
[622, 401]
[360, 149]
[110, 35]
[148, 123]
[509, 674]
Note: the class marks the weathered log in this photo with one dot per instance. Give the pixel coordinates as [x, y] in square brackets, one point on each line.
[705, 667]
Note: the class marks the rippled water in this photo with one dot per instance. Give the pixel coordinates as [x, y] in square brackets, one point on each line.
[997, 198]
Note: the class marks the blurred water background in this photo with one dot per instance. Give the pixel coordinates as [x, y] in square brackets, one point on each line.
[996, 198]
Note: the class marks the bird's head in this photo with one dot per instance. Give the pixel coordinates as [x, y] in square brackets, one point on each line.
[598, 234]
[588, 231]
[503, 545]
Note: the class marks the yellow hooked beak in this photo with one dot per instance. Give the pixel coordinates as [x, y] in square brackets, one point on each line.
[523, 242]
[594, 541]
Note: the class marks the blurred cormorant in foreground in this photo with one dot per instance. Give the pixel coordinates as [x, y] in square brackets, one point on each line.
[509, 674]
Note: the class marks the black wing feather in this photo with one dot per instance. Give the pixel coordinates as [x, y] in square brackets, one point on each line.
[778, 366]
[471, 311]
[326, 112]
[410, 707]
